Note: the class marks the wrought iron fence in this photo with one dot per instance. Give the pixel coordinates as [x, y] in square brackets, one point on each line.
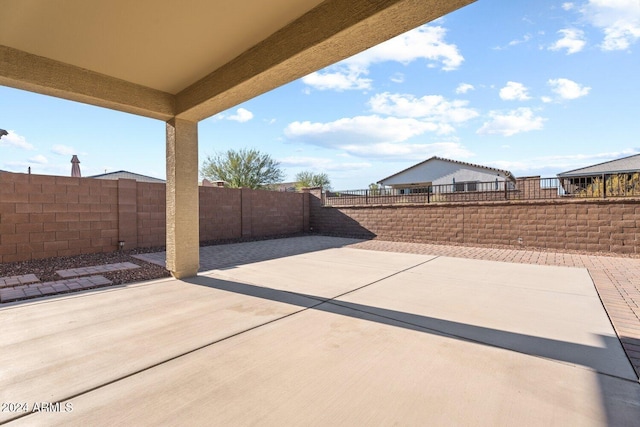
[531, 188]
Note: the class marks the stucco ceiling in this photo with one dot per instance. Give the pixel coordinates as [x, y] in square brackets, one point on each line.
[188, 58]
[161, 44]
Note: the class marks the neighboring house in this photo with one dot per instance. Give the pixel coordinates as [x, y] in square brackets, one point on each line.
[455, 175]
[624, 169]
[128, 175]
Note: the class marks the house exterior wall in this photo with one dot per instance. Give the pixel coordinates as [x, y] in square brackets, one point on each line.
[609, 225]
[48, 216]
[438, 172]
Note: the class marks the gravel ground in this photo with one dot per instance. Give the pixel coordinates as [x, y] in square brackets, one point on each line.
[45, 269]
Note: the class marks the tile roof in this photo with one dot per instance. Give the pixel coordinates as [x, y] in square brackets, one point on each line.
[625, 164]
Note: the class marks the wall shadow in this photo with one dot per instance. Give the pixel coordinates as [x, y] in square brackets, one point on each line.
[234, 255]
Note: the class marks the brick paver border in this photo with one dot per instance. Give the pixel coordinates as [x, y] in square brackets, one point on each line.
[88, 271]
[35, 290]
[11, 281]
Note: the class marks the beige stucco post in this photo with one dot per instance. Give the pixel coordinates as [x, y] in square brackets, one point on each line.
[183, 252]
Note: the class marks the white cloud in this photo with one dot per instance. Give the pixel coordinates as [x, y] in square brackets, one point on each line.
[568, 89]
[242, 115]
[63, 150]
[572, 40]
[515, 121]
[409, 151]
[619, 20]
[397, 78]
[464, 88]
[546, 99]
[16, 141]
[568, 6]
[322, 164]
[343, 78]
[39, 159]
[359, 129]
[434, 108]
[373, 137]
[514, 91]
[515, 42]
[425, 42]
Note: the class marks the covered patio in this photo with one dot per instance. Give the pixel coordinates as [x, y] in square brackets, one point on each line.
[316, 331]
[184, 61]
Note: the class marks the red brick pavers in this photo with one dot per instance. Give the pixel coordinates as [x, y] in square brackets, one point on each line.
[616, 279]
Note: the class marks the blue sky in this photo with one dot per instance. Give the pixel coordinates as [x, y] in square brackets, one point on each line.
[534, 87]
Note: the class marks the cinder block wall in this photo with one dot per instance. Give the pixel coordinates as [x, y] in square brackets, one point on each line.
[47, 216]
[610, 225]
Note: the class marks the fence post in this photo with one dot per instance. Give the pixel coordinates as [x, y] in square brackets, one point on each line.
[366, 197]
[604, 186]
[428, 195]
[506, 196]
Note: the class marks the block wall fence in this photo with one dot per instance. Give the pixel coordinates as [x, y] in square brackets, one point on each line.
[45, 216]
[604, 225]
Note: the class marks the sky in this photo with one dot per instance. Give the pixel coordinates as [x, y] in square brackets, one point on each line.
[534, 87]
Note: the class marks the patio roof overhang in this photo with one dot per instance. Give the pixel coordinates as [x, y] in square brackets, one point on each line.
[183, 61]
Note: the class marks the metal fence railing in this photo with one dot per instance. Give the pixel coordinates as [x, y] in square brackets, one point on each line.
[532, 188]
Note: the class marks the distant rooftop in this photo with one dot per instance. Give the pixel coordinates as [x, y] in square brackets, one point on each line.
[127, 175]
[623, 165]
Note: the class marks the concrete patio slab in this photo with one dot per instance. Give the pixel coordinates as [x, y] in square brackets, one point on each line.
[414, 341]
[325, 274]
[52, 349]
[546, 311]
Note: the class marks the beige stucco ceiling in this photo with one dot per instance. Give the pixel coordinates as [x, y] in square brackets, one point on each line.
[161, 44]
[188, 58]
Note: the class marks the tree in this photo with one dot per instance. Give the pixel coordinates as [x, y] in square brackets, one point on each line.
[243, 168]
[307, 179]
[374, 189]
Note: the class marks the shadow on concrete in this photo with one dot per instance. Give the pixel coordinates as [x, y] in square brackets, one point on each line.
[632, 348]
[234, 255]
[619, 393]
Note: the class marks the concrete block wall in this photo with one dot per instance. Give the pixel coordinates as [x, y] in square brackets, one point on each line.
[220, 213]
[151, 214]
[48, 216]
[609, 225]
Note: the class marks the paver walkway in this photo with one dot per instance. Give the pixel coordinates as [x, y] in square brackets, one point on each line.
[24, 279]
[39, 289]
[88, 271]
[16, 288]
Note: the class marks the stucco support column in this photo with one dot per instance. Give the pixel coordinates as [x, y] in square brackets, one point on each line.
[183, 251]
